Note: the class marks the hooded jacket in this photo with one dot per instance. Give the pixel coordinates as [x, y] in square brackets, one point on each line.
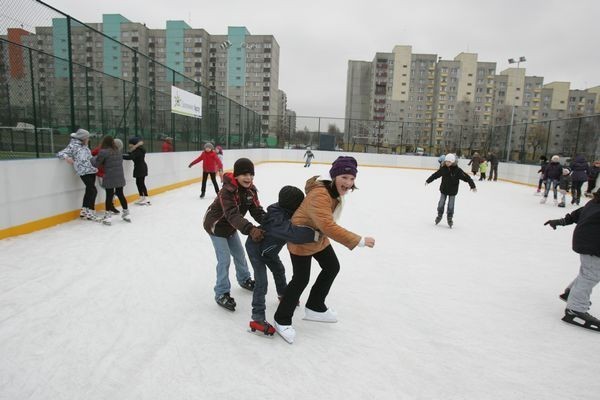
[450, 179]
[580, 169]
[112, 161]
[553, 171]
[81, 156]
[319, 210]
[211, 161]
[226, 213]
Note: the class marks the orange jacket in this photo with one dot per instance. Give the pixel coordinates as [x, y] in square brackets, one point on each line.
[316, 211]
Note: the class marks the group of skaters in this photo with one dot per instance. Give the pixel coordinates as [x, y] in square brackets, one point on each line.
[105, 164]
[565, 178]
[307, 222]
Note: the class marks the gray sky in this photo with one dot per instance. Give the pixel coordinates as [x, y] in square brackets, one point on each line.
[317, 38]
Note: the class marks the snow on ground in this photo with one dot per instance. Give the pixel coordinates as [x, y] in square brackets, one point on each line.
[127, 312]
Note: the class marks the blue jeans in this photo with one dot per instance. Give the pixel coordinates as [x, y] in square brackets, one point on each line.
[225, 248]
[554, 184]
[442, 202]
[260, 264]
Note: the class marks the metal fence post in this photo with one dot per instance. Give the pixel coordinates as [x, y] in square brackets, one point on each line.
[87, 99]
[71, 88]
[135, 93]
[577, 139]
[35, 132]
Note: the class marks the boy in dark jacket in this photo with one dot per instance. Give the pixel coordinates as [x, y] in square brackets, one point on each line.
[265, 254]
[552, 175]
[586, 243]
[542, 171]
[223, 218]
[137, 154]
[451, 174]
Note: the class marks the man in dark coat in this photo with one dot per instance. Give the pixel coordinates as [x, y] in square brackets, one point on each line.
[493, 159]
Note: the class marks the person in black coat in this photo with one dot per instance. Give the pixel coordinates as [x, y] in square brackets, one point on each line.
[137, 154]
[552, 175]
[592, 176]
[586, 244]
[265, 254]
[580, 170]
[451, 174]
[542, 171]
[493, 159]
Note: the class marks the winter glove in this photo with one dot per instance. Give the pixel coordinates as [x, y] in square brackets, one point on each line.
[555, 222]
[190, 166]
[256, 234]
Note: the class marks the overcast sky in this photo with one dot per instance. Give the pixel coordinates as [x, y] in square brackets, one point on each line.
[317, 38]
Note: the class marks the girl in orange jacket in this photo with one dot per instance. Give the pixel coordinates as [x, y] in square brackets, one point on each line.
[320, 210]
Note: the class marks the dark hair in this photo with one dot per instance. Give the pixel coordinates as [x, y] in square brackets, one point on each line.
[108, 143]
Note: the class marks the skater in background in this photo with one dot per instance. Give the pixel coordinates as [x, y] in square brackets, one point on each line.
[223, 218]
[78, 154]
[587, 245]
[564, 185]
[211, 163]
[265, 254]
[321, 210]
[167, 145]
[451, 174]
[219, 150]
[592, 176]
[474, 163]
[137, 154]
[482, 169]
[493, 159]
[111, 159]
[309, 156]
[541, 172]
[579, 174]
[552, 174]
[440, 160]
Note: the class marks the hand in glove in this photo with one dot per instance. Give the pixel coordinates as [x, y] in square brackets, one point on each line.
[555, 222]
[257, 234]
[190, 166]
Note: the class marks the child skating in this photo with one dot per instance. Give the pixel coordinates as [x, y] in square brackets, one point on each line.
[451, 174]
[564, 185]
[587, 245]
[265, 254]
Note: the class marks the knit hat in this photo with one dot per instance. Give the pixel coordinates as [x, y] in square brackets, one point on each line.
[555, 158]
[290, 198]
[81, 134]
[243, 166]
[208, 145]
[566, 171]
[450, 157]
[119, 144]
[134, 140]
[343, 165]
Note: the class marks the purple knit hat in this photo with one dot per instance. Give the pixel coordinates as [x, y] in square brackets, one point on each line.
[343, 165]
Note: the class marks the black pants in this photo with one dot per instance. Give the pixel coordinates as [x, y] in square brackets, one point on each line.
[109, 198]
[493, 172]
[482, 176]
[213, 177]
[576, 190]
[330, 266]
[141, 185]
[89, 197]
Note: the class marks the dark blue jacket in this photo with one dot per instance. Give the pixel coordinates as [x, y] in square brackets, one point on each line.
[587, 231]
[580, 169]
[553, 171]
[278, 231]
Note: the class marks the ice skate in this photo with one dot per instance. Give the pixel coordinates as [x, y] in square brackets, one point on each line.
[202, 195]
[438, 219]
[543, 200]
[114, 211]
[327, 316]
[450, 222]
[561, 204]
[263, 329]
[248, 284]
[582, 319]
[143, 201]
[226, 301]
[287, 332]
[83, 213]
[106, 219]
[125, 216]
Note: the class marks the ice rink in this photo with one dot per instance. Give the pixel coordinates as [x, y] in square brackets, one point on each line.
[127, 312]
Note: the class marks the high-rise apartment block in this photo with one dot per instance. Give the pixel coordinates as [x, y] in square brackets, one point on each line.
[409, 99]
[238, 65]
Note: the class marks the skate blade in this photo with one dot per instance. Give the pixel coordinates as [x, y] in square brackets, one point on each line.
[585, 325]
[260, 334]
[288, 341]
[227, 308]
[127, 220]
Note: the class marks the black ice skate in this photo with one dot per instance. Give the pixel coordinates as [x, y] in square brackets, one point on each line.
[582, 319]
[438, 219]
[248, 284]
[450, 222]
[226, 301]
